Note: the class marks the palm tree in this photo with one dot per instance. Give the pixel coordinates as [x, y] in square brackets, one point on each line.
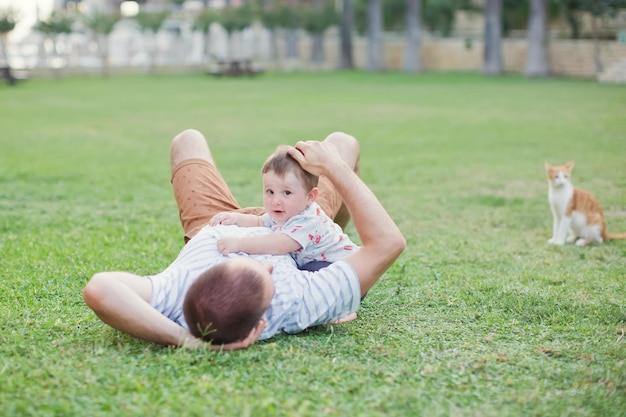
[492, 63]
[537, 58]
[412, 47]
[375, 46]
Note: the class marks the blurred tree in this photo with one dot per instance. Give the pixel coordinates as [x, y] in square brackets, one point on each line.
[290, 20]
[598, 9]
[375, 35]
[7, 24]
[412, 46]
[177, 4]
[235, 19]
[395, 15]
[346, 29]
[270, 18]
[102, 24]
[151, 23]
[59, 23]
[537, 56]
[515, 15]
[316, 19]
[492, 62]
[572, 10]
[202, 23]
[439, 16]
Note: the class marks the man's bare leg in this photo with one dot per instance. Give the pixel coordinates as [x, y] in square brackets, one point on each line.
[189, 144]
[349, 150]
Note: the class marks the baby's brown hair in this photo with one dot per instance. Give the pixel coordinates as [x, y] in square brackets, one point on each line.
[280, 162]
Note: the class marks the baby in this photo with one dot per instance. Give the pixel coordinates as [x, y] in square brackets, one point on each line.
[300, 226]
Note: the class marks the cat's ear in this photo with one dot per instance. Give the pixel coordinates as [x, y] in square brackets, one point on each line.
[569, 165]
[547, 166]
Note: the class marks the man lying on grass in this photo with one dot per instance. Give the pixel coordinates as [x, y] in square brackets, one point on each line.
[231, 301]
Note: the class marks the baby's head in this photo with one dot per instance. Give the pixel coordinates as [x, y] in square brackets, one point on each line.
[287, 188]
[281, 163]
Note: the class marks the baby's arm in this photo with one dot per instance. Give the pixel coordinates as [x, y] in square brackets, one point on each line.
[276, 244]
[236, 219]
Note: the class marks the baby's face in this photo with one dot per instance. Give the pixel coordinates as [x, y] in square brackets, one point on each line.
[284, 196]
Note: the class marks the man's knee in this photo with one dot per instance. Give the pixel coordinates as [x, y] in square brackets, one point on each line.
[189, 144]
[187, 136]
[347, 145]
[344, 140]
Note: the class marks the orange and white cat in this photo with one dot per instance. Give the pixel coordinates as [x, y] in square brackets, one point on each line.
[577, 215]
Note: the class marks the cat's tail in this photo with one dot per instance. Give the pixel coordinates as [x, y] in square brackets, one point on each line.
[610, 236]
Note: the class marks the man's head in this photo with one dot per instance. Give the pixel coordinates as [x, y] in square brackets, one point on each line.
[287, 188]
[227, 301]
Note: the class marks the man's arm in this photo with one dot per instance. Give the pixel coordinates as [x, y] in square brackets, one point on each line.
[121, 300]
[382, 241]
[276, 244]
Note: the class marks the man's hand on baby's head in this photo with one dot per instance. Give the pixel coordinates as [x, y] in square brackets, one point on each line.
[314, 156]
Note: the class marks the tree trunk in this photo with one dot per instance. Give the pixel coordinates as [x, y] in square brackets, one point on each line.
[537, 58]
[492, 63]
[317, 49]
[574, 24]
[291, 43]
[347, 21]
[274, 56]
[4, 54]
[596, 45]
[153, 51]
[375, 35]
[103, 45]
[412, 46]
[206, 52]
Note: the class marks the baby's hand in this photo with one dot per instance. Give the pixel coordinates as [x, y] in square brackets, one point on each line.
[224, 218]
[228, 245]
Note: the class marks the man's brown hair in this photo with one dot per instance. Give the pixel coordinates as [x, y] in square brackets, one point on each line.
[280, 162]
[224, 304]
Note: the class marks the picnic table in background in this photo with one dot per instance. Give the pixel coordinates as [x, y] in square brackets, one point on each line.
[235, 67]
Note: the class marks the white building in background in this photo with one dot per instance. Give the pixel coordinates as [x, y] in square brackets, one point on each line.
[177, 44]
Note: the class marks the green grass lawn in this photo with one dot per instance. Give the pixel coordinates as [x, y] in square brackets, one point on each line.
[478, 317]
